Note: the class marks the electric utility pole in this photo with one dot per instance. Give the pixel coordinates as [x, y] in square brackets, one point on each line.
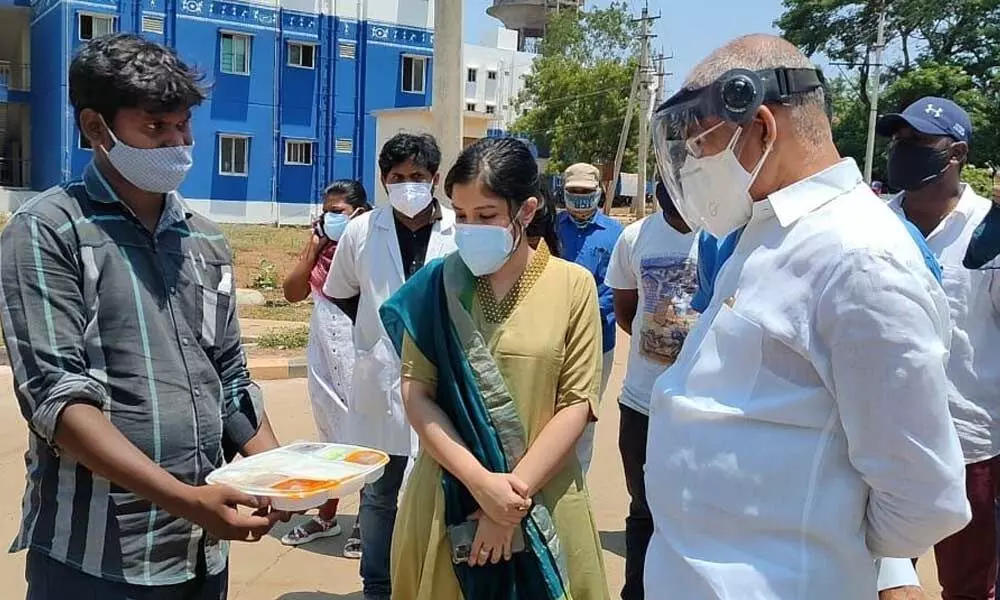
[644, 86]
[875, 86]
[647, 87]
[448, 94]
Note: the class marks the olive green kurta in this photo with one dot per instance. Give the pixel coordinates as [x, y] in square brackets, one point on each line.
[549, 353]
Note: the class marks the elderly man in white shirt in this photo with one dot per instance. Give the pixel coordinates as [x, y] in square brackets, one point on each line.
[928, 149]
[804, 429]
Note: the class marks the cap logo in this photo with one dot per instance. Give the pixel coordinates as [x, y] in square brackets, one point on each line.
[959, 129]
[933, 110]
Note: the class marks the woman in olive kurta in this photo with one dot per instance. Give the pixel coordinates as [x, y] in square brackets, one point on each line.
[499, 392]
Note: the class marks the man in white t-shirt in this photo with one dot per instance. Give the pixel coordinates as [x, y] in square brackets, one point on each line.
[928, 150]
[653, 276]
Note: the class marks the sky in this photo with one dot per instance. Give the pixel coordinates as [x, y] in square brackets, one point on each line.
[688, 29]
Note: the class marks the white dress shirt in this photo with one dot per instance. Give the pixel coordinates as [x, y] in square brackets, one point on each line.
[974, 298]
[368, 262]
[804, 429]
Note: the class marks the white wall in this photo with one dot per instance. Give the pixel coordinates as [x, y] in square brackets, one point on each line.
[498, 53]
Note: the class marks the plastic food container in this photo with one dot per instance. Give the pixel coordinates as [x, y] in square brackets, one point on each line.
[303, 475]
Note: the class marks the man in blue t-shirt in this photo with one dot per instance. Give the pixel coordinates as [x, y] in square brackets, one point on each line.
[586, 237]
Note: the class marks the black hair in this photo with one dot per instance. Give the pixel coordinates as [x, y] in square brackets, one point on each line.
[421, 149]
[544, 224]
[120, 71]
[670, 212]
[503, 166]
[666, 202]
[352, 191]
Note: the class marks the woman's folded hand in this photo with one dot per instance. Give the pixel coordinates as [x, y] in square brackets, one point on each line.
[499, 495]
[493, 541]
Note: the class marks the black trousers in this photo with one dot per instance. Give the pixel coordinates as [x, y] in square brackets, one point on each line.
[632, 432]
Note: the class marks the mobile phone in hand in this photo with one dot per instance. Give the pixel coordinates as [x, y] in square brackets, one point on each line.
[463, 535]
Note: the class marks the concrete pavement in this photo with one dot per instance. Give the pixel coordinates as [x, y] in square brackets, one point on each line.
[318, 571]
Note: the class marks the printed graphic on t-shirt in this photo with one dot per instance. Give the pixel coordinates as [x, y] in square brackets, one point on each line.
[668, 284]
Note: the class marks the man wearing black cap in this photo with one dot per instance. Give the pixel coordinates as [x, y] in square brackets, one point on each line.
[929, 148]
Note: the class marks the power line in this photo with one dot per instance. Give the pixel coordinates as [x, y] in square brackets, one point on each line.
[569, 126]
[567, 99]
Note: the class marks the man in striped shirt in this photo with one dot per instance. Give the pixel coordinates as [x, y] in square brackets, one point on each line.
[120, 324]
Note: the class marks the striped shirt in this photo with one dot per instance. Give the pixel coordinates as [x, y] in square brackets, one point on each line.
[98, 310]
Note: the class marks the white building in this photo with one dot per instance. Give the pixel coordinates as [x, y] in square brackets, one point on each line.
[494, 77]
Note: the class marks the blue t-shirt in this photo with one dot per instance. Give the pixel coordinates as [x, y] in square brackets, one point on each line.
[591, 247]
[712, 254]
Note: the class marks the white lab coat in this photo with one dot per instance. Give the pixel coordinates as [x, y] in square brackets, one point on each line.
[368, 263]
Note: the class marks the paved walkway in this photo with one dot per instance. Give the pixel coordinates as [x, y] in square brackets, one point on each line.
[270, 571]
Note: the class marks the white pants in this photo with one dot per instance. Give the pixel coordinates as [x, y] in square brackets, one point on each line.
[585, 447]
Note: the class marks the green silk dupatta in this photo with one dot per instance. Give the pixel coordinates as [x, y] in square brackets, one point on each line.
[432, 309]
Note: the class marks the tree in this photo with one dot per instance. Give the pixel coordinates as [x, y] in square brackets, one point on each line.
[576, 96]
[948, 49]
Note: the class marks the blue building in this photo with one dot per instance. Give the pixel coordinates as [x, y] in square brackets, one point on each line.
[294, 87]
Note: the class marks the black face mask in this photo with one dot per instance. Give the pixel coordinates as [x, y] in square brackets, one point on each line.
[912, 166]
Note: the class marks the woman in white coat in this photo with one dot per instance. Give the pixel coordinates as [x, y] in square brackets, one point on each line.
[331, 348]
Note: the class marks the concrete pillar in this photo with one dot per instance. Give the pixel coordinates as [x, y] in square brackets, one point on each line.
[448, 103]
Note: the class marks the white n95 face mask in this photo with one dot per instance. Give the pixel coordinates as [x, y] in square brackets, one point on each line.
[484, 248]
[156, 170]
[410, 198]
[717, 189]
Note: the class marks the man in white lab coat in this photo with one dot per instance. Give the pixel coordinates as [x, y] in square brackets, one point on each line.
[804, 428]
[377, 253]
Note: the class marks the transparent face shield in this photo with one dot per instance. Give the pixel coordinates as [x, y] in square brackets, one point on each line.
[679, 133]
[683, 123]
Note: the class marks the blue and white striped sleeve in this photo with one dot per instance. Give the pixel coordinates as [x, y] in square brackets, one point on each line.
[44, 318]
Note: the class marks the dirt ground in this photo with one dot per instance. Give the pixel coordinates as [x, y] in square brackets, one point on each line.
[270, 571]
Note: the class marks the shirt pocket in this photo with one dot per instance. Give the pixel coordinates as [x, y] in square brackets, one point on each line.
[209, 302]
[727, 363]
[376, 379]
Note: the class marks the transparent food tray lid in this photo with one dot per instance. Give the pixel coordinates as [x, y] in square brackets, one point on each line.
[300, 469]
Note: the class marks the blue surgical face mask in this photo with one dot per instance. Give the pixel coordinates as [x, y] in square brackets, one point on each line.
[156, 170]
[484, 248]
[334, 225]
[587, 201]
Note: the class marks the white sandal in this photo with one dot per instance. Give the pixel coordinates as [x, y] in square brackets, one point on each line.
[313, 529]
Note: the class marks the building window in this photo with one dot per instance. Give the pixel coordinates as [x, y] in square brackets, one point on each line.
[347, 50]
[152, 24]
[235, 54]
[95, 26]
[471, 75]
[234, 152]
[344, 146]
[414, 74]
[470, 106]
[298, 153]
[491, 109]
[301, 55]
[491, 75]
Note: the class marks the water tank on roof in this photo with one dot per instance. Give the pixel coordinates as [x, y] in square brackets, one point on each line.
[529, 17]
